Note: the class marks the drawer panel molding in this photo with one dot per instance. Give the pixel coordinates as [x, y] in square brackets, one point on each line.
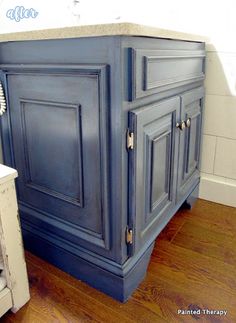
[155, 71]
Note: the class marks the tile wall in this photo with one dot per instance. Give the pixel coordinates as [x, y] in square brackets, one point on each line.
[218, 163]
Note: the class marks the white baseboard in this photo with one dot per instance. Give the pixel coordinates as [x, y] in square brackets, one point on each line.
[218, 189]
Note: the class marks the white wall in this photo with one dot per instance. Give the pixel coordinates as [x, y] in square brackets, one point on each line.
[213, 18]
[219, 141]
[200, 16]
[53, 14]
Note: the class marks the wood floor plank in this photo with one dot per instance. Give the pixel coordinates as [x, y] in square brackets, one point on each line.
[193, 266]
[56, 291]
[27, 315]
[206, 292]
[196, 265]
[161, 287]
[184, 288]
[206, 241]
[217, 217]
[133, 310]
[173, 227]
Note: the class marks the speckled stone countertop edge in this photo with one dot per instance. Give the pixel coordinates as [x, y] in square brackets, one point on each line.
[112, 29]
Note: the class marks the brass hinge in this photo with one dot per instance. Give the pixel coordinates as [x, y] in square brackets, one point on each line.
[129, 236]
[130, 140]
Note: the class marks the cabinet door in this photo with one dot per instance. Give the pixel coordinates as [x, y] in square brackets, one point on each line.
[59, 144]
[153, 168]
[190, 138]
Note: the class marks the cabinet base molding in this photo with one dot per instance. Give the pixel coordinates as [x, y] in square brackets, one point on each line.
[113, 285]
[116, 280]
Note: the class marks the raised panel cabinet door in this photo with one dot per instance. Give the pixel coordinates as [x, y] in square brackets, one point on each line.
[59, 121]
[152, 167]
[190, 139]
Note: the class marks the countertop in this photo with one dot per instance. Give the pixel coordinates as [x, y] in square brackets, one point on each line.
[126, 29]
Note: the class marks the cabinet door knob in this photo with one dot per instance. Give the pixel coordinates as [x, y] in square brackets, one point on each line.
[188, 122]
[181, 125]
[2, 100]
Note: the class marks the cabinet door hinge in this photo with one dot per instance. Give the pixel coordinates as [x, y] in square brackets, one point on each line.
[130, 140]
[129, 236]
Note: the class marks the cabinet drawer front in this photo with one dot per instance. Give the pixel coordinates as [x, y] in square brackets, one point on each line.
[155, 71]
[153, 166]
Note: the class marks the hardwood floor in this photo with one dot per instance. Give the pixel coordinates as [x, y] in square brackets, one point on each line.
[193, 267]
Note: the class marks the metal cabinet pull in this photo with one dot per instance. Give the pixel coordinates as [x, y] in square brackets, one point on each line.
[181, 125]
[3, 106]
[188, 122]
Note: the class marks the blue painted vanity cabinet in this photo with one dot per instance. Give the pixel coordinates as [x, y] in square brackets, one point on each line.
[105, 133]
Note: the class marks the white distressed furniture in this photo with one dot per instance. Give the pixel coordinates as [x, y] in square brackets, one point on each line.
[16, 293]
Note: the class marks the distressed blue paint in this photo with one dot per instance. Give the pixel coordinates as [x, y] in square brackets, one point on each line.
[188, 172]
[70, 103]
[150, 123]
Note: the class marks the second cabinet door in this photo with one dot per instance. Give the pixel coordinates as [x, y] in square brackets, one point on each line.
[190, 137]
[153, 167]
